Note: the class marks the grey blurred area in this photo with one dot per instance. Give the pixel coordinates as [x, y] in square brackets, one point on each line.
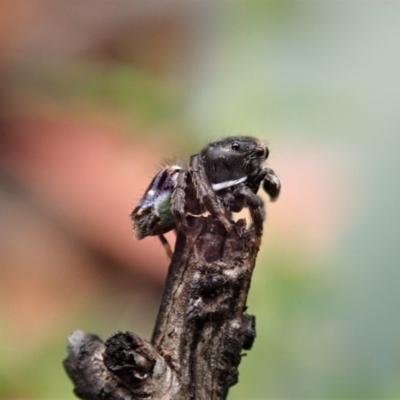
[95, 95]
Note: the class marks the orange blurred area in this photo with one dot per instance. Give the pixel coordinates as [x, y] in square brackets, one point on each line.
[83, 128]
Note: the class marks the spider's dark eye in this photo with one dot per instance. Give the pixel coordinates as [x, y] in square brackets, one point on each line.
[235, 146]
[266, 152]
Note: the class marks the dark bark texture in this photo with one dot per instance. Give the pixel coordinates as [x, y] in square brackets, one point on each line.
[200, 332]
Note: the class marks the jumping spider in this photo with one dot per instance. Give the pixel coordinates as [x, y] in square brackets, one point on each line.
[223, 178]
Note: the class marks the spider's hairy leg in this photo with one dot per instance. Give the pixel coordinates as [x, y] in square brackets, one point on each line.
[233, 203]
[272, 184]
[166, 245]
[178, 199]
[236, 201]
[262, 207]
[255, 181]
[205, 192]
[255, 205]
[262, 210]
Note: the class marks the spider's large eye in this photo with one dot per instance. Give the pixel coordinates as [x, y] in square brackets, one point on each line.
[235, 146]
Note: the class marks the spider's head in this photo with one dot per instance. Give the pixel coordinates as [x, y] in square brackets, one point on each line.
[233, 159]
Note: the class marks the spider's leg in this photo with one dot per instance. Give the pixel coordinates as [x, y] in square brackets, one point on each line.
[166, 245]
[229, 204]
[228, 214]
[256, 180]
[233, 202]
[255, 205]
[262, 207]
[205, 192]
[236, 201]
[272, 184]
[178, 199]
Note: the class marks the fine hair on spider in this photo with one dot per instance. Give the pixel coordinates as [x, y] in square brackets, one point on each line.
[223, 178]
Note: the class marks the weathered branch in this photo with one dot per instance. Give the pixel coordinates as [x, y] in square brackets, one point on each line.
[200, 330]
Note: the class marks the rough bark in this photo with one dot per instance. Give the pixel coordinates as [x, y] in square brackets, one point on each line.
[200, 332]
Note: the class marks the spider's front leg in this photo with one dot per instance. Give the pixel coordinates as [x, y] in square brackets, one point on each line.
[178, 200]
[205, 192]
[235, 201]
[245, 194]
[254, 181]
[272, 183]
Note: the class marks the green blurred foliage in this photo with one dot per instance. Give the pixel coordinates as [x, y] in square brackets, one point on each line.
[120, 88]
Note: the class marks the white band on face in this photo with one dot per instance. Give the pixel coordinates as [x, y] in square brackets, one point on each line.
[226, 184]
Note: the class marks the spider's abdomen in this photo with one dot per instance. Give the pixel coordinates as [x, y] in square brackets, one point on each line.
[153, 215]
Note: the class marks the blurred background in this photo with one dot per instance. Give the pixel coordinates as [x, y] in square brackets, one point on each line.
[95, 95]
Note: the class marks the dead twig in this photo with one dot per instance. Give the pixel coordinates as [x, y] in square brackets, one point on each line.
[200, 332]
